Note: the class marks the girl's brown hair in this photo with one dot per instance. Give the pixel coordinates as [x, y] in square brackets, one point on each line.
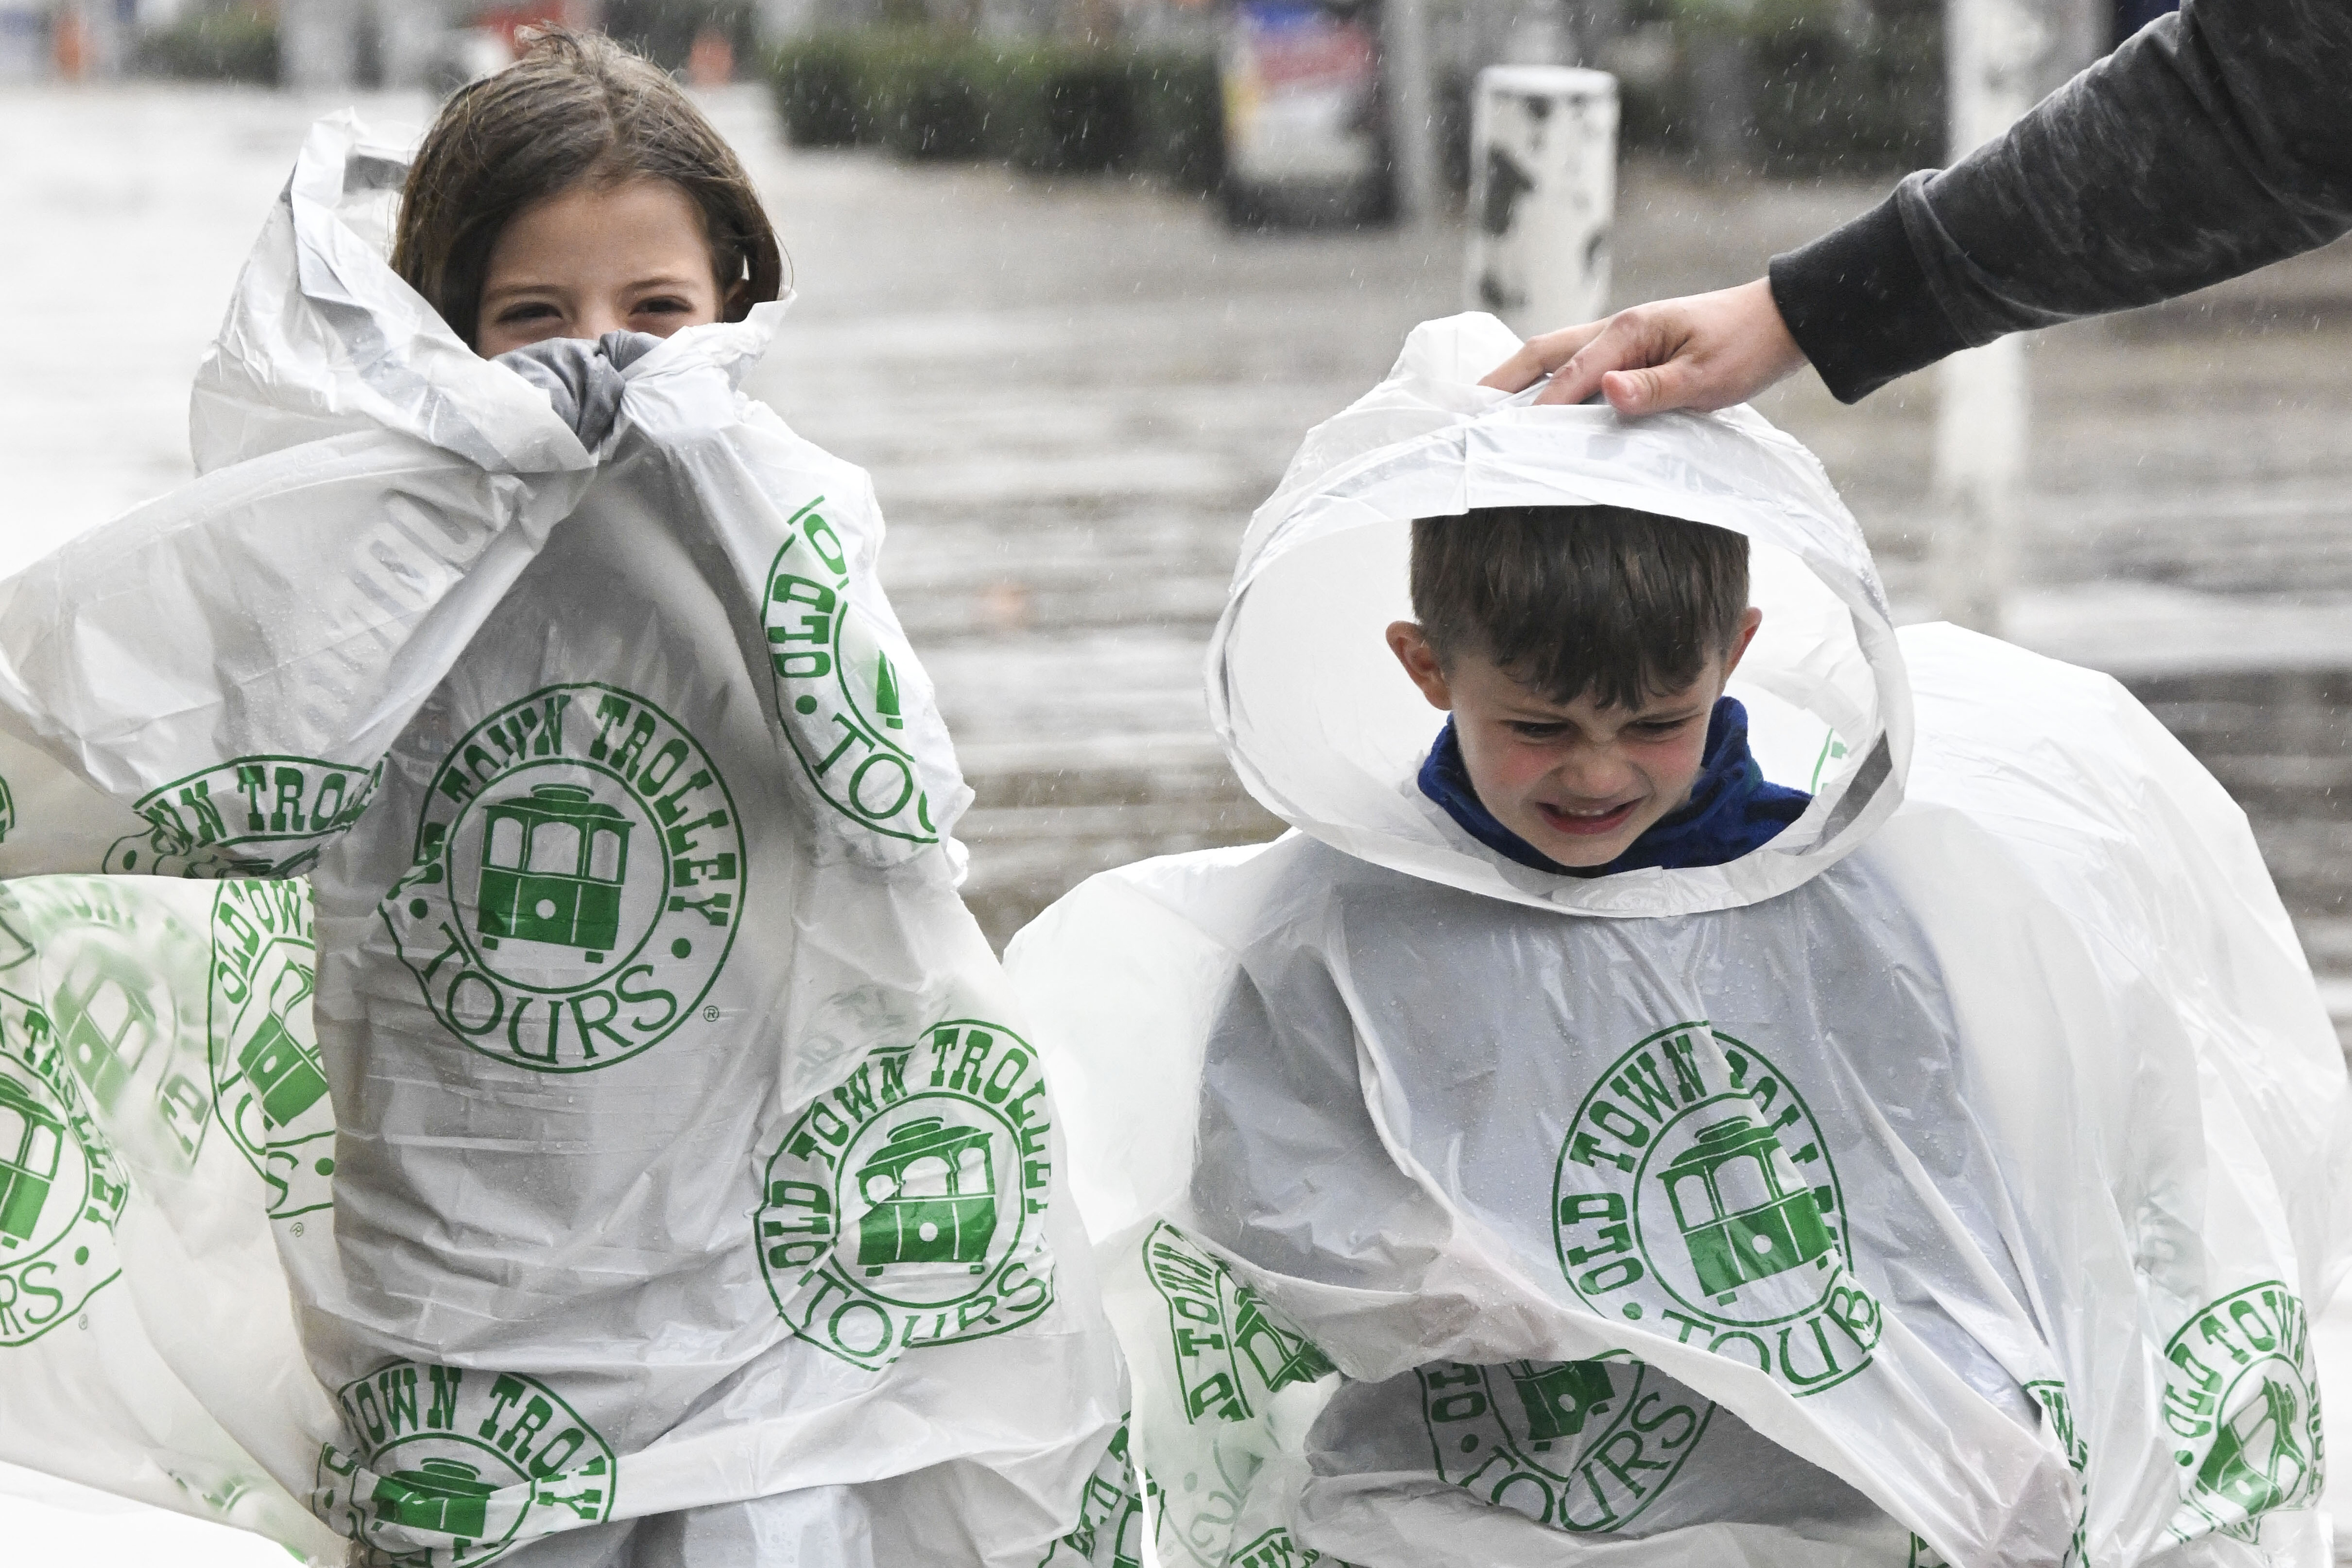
[574, 107]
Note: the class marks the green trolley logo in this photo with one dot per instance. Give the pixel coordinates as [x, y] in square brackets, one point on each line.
[269, 1086]
[579, 877]
[451, 1467]
[126, 1005]
[2241, 1400]
[1576, 1445]
[1277, 1548]
[836, 690]
[905, 1208]
[1695, 1189]
[1110, 1516]
[1231, 1354]
[252, 816]
[61, 1187]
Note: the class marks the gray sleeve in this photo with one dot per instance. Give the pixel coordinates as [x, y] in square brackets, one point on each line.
[2215, 141]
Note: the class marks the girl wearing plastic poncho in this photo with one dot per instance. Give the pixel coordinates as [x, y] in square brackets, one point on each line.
[1920, 1147]
[668, 1179]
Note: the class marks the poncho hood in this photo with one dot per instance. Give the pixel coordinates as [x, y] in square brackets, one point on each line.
[323, 342]
[323, 338]
[1325, 731]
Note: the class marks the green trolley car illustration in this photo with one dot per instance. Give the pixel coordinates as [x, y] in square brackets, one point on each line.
[1558, 1399]
[932, 1192]
[2256, 1462]
[31, 1139]
[1744, 1212]
[447, 1495]
[286, 1073]
[106, 1021]
[554, 862]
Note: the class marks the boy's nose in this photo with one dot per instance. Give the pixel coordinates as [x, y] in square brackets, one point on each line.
[1596, 776]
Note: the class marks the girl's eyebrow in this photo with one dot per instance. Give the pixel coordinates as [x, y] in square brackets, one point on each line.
[532, 286]
[503, 290]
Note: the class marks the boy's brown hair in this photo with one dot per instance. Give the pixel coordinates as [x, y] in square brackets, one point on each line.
[575, 107]
[1627, 605]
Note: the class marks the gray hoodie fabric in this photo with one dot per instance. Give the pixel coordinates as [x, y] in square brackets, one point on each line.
[2215, 141]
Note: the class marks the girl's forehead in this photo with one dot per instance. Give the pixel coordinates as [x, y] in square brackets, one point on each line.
[588, 221]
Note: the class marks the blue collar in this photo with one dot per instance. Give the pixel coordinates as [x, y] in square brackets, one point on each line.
[1731, 810]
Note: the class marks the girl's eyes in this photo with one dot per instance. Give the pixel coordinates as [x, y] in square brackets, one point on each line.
[537, 310]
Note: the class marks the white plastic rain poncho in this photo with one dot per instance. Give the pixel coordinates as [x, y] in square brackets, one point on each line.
[665, 1136]
[1953, 1177]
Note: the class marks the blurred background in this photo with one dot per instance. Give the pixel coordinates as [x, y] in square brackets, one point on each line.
[1075, 275]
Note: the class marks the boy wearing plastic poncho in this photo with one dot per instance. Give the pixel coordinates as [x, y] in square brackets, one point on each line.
[1908, 1133]
[661, 1176]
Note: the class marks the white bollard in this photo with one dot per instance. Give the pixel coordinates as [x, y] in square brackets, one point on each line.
[1982, 401]
[1407, 80]
[408, 32]
[1543, 194]
[2000, 58]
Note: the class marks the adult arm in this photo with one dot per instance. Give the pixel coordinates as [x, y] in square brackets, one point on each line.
[2215, 141]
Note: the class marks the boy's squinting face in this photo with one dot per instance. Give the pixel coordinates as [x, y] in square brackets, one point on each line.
[594, 260]
[1577, 780]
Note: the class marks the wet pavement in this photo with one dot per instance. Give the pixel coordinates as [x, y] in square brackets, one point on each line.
[1071, 394]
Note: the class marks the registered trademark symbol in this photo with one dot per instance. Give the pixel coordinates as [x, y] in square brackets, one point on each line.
[82, 1322]
[298, 1228]
[711, 1015]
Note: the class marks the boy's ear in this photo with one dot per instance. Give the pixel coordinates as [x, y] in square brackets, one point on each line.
[1419, 661]
[1749, 620]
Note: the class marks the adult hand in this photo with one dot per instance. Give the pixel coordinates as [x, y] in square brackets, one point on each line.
[1703, 351]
